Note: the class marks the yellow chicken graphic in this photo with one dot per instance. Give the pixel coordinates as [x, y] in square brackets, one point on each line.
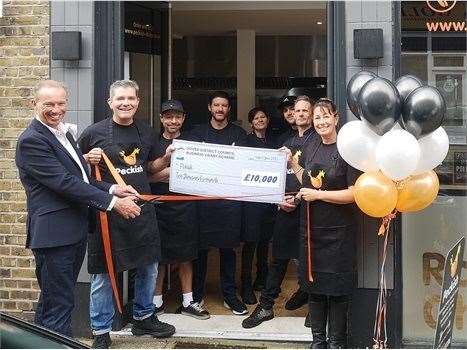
[131, 158]
[297, 156]
[455, 262]
[316, 181]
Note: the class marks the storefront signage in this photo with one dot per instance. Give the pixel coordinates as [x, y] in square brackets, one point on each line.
[442, 16]
[142, 30]
[448, 297]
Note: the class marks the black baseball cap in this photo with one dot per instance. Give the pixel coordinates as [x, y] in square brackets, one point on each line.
[286, 101]
[172, 105]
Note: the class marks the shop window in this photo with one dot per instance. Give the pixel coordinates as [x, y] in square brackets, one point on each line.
[415, 65]
[442, 44]
[428, 235]
[448, 61]
[414, 44]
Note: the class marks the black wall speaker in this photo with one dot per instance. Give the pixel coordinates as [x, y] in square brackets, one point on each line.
[368, 43]
[66, 46]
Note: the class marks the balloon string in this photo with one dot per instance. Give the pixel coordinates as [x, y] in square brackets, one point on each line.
[380, 329]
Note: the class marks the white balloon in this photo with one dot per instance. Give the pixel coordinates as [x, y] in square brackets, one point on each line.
[397, 154]
[433, 149]
[356, 144]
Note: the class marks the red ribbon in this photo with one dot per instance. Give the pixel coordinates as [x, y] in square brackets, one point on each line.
[105, 233]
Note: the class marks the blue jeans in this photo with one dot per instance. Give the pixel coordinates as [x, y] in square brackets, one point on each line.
[101, 308]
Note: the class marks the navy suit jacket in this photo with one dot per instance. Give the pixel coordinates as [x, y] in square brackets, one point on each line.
[57, 196]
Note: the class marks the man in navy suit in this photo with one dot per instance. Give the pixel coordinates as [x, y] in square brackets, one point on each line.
[59, 190]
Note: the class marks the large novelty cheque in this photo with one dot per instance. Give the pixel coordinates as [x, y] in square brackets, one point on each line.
[237, 173]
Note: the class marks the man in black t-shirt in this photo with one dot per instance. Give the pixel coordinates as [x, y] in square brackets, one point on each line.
[177, 221]
[133, 149]
[220, 220]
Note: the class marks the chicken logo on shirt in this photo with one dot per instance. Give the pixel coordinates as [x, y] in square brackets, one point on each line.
[296, 156]
[316, 181]
[131, 158]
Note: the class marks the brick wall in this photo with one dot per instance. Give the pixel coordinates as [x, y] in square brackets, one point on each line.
[24, 60]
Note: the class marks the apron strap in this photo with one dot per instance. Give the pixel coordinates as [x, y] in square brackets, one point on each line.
[308, 231]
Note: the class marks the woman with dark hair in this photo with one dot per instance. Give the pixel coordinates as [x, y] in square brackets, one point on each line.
[330, 275]
[258, 219]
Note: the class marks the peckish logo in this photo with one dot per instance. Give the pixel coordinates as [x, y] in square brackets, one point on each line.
[131, 158]
[131, 161]
[316, 181]
[441, 6]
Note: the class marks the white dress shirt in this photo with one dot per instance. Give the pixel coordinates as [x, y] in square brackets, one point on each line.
[60, 134]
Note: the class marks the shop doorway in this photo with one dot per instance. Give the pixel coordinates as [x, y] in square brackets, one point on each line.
[255, 51]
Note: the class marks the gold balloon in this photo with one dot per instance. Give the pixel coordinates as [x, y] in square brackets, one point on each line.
[375, 194]
[417, 192]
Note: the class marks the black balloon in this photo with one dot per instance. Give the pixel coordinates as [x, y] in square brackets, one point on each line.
[423, 111]
[379, 105]
[353, 89]
[406, 84]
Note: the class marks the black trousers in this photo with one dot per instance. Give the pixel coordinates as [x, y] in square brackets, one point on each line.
[57, 270]
[276, 274]
[227, 259]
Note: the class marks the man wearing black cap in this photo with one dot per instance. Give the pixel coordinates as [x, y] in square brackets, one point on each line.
[286, 106]
[177, 221]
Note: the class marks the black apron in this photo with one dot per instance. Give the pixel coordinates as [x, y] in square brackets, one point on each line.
[258, 218]
[333, 228]
[285, 242]
[178, 224]
[135, 242]
[220, 221]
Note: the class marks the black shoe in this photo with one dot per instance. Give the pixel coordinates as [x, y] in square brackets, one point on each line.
[159, 310]
[307, 321]
[247, 294]
[152, 326]
[234, 304]
[258, 316]
[102, 341]
[297, 300]
[194, 310]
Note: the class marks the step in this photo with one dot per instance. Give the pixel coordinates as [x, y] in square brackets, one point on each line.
[230, 327]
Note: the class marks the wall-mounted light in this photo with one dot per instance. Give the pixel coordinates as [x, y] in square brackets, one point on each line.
[319, 22]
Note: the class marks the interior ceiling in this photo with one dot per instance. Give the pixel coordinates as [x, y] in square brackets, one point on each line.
[271, 18]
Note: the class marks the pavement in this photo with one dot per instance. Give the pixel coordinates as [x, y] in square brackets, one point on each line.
[220, 332]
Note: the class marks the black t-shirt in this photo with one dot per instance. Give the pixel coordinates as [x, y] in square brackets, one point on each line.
[338, 175]
[230, 135]
[97, 135]
[126, 137]
[163, 187]
[254, 141]
[282, 138]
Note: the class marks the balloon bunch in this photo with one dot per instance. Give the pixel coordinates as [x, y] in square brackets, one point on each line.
[396, 142]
